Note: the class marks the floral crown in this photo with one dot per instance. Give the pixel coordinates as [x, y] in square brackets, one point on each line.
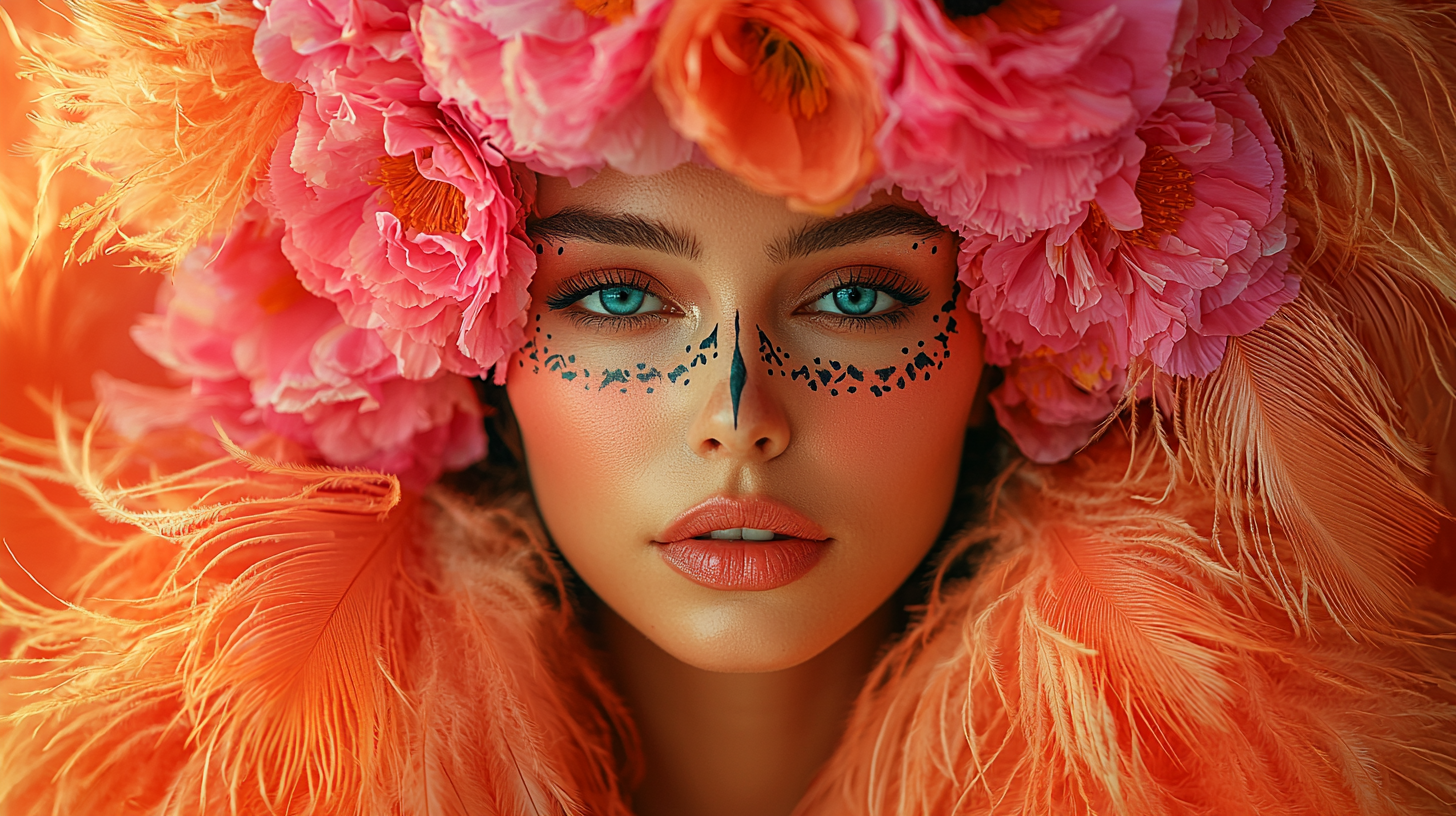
[353, 176]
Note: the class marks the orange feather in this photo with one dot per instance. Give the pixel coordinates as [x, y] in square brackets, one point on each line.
[1105, 660]
[275, 639]
[163, 102]
[1296, 428]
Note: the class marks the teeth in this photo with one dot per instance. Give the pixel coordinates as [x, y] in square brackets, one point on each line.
[742, 533]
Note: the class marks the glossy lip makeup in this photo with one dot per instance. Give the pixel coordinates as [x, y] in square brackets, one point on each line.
[748, 543]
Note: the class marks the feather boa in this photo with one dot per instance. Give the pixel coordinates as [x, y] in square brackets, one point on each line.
[1243, 607]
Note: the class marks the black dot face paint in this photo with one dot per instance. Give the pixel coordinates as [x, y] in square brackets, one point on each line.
[921, 358]
[840, 378]
[622, 380]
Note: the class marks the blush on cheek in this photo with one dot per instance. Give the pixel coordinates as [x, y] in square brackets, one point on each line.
[586, 448]
[887, 434]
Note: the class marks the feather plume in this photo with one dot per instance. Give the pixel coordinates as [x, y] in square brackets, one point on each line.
[255, 653]
[1409, 331]
[58, 322]
[164, 102]
[1106, 661]
[1333, 422]
[1296, 428]
[494, 738]
[296, 640]
[1360, 98]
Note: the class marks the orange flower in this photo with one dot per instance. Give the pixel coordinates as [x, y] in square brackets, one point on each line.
[777, 93]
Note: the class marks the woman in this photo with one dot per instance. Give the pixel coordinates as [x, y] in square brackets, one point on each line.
[750, 294]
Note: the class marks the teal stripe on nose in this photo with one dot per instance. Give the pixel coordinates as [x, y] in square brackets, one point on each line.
[738, 374]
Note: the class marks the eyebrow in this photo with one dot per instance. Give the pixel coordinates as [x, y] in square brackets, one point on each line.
[855, 228]
[618, 230]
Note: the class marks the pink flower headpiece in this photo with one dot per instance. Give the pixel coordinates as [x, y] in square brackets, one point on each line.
[1118, 190]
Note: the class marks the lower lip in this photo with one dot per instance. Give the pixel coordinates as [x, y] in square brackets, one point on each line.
[752, 566]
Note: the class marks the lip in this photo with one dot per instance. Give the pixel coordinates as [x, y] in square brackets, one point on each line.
[739, 564]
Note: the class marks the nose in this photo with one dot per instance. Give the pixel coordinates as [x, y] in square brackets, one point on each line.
[740, 419]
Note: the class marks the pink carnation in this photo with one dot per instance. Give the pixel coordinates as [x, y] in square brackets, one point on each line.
[1007, 122]
[1166, 265]
[262, 354]
[1228, 35]
[393, 208]
[562, 90]
[1052, 404]
[306, 41]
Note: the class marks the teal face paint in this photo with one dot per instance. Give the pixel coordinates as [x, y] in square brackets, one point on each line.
[737, 374]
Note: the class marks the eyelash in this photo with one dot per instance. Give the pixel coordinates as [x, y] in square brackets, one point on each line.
[909, 293]
[595, 280]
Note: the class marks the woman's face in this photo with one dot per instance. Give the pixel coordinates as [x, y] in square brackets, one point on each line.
[743, 424]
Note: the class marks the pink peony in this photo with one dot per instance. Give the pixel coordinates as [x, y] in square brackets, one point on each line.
[1169, 264]
[1227, 35]
[263, 354]
[1007, 122]
[561, 87]
[394, 209]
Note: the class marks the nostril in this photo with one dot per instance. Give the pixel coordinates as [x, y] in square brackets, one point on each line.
[764, 443]
[711, 445]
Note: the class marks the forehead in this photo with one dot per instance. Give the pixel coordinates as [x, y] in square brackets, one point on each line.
[701, 214]
[700, 201]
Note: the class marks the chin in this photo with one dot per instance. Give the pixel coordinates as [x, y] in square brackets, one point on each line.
[750, 632]
[739, 638]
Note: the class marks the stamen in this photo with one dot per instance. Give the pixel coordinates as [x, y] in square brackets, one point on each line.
[1089, 371]
[281, 294]
[420, 203]
[613, 11]
[1165, 191]
[783, 74]
[1030, 16]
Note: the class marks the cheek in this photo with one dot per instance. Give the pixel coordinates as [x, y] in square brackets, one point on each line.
[888, 452]
[589, 431]
[595, 418]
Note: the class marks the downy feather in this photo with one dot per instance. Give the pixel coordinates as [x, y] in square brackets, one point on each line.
[276, 639]
[164, 102]
[1104, 660]
[1296, 429]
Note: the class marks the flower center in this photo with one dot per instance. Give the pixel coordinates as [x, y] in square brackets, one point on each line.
[281, 294]
[420, 203]
[1030, 16]
[1165, 191]
[782, 74]
[613, 11]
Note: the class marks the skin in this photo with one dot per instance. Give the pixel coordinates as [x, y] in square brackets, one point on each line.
[615, 454]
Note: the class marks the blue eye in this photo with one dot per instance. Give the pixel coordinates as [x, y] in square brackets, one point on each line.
[621, 301]
[855, 301]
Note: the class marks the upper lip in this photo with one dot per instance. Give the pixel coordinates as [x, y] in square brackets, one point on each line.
[728, 512]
